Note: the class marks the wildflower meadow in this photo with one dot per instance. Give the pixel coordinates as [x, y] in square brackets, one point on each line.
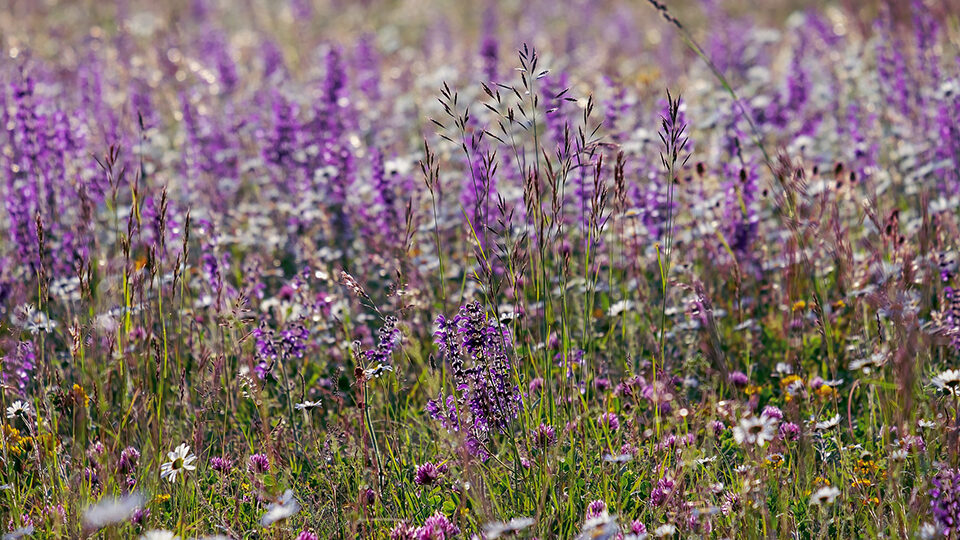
[431, 269]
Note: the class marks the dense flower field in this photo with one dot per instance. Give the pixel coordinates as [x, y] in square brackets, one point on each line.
[422, 270]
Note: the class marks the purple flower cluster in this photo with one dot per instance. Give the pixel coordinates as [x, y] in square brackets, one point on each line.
[17, 365]
[435, 527]
[945, 500]
[485, 397]
[428, 473]
[258, 464]
[273, 347]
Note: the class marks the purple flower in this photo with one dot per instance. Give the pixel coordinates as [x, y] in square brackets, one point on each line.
[772, 412]
[387, 340]
[662, 491]
[272, 347]
[16, 367]
[485, 398]
[128, 460]
[307, 535]
[596, 508]
[437, 526]
[738, 379]
[544, 436]
[945, 500]
[140, 516]
[221, 464]
[427, 474]
[609, 421]
[258, 463]
[789, 431]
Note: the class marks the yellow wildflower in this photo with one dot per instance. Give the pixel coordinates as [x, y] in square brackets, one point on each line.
[80, 393]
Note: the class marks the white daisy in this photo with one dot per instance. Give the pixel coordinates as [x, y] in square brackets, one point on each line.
[285, 507]
[181, 461]
[824, 495]
[109, 511]
[601, 527]
[19, 408]
[17, 534]
[666, 529]
[756, 430]
[948, 382]
[515, 525]
[617, 308]
[828, 423]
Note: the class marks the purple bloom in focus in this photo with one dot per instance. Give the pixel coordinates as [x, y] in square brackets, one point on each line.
[486, 399]
[772, 412]
[789, 431]
[221, 464]
[596, 508]
[662, 491]
[259, 463]
[427, 474]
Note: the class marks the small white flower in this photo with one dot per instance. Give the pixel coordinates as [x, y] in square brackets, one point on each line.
[928, 531]
[617, 308]
[307, 405]
[159, 534]
[515, 525]
[17, 534]
[110, 510]
[285, 507]
[19, 408]
[948, 382]
[784, 368]
[824, 495]
[828, 423]
[601, 527]
[926, 424]
[374, 372]
[756, 430]
[666, 529]
[33, 320]
[181, 461]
